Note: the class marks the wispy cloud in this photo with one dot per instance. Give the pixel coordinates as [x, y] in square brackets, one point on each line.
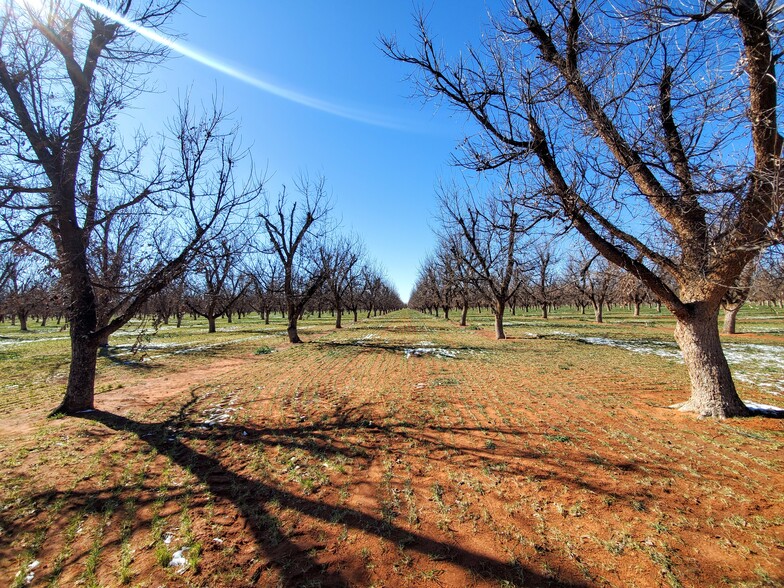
[244, 76]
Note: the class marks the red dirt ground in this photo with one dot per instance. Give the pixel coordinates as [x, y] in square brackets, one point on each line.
[341, 462]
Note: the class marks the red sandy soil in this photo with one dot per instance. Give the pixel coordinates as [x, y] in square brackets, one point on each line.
[520, 463]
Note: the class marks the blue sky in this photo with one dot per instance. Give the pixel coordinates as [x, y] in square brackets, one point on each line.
[382, 176]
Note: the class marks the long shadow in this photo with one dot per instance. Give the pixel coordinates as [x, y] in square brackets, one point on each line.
[250, 497]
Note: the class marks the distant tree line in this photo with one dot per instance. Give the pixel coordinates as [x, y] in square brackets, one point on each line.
[447, 286]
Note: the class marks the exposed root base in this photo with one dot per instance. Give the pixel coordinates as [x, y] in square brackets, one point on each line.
[717, 413]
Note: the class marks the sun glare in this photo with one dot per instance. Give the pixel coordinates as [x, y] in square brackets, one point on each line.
[32, 6]
[235, 72]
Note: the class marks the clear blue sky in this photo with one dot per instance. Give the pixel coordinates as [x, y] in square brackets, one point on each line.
[382, 176]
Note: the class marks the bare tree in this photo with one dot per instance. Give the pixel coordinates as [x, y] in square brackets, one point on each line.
[23, 289]
[595, 279]
[293, 226]
[487, 238]
[633, 291]
[768, 285]
[266, 276]
[66, 72]
[542, 283]
[217, 280]
[661, 111]
[340, 257]
[736, 297]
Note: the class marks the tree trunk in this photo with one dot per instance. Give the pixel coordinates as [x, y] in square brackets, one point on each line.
[464, 315]
[446, 313]
[211, 324]
[179, 319]
[338, 317]
[544, 310]
[636, 308]
[355, 314]
[712, 389]
[730, 314]
[43, 321]
[79, 394]
[597, 312]
[291, 330]
[23, 321]
[499, 321]
[266, 316]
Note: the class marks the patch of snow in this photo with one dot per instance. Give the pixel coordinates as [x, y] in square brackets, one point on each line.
[167, 538]
[25, 341]
[764, 409]
[151, 345]
[178, 558]
[420, 351]
[425, 343]
[221, 412]
[562, 333]
[660, 348]
[368, 337]
[751, 363]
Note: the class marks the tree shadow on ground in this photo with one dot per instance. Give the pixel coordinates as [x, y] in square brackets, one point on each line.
[253, 499]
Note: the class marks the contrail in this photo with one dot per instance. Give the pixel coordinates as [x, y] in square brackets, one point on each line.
[218, 65]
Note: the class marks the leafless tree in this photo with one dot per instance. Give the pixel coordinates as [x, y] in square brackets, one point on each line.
[294, 226]
[768, 284]
[633, 291]
[170, 301]
[487, 236]
[217, 279]
[340, 257]
[542, 283]
[266, 276]
[595, 279]
[24, 287]
[66, 72]
[661, 111]
[736, 297]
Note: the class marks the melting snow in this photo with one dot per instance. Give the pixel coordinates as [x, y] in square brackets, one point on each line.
[221, 412]
[30, 576]
[663, 349]
[438, 352]
[764, 409]
[178, 558]
[41, 340]
[759, 365]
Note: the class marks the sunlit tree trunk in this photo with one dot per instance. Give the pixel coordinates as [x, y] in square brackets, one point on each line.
[713, 392]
